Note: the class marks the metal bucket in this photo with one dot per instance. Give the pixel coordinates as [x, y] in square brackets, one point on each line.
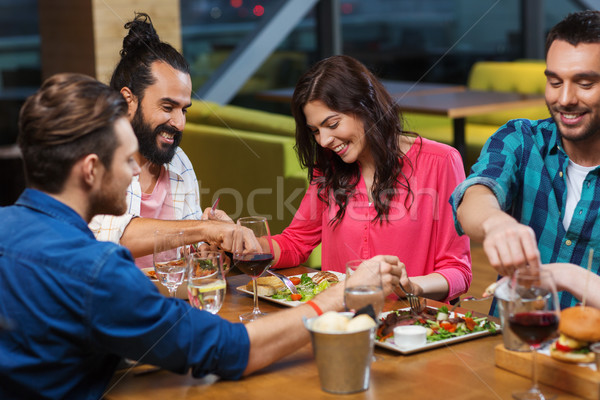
[343, 359]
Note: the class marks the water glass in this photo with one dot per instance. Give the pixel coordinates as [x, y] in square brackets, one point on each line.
[169, 259]
[365, 289]
[206, 281]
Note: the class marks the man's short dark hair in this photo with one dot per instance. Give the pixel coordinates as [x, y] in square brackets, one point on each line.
[71, 116]
[141, 48]
[580, 27]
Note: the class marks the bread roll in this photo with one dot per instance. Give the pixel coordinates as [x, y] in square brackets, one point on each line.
[360, 323]
[330, 322]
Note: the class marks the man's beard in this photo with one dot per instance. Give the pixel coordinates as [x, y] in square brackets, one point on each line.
[146, 136]
[109, 200]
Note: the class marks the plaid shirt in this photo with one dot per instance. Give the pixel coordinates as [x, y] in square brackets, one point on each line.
[184, 189]
[524, 164]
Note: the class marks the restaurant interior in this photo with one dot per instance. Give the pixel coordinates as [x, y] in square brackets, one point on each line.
[246, 56]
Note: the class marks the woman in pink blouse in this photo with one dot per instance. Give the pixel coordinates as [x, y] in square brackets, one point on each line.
[375, 189]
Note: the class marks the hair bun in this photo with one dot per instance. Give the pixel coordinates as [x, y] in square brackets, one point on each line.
[141, 36]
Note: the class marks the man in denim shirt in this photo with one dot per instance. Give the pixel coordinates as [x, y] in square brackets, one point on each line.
[533, 196]
[76, 306]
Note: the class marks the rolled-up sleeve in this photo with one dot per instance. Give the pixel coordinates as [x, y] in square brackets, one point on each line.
[110, 228]
[497, 168]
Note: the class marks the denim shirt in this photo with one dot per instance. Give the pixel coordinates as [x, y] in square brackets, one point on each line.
[77, 306]
[524, 165]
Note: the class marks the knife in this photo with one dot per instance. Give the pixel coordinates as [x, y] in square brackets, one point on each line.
[285, 281]
[214, 206]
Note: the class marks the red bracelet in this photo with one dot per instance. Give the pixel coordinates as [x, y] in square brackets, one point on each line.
[315, 307]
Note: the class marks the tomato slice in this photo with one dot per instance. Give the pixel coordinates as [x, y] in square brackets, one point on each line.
[449, 326]
[295, 280]
[296, 296]
[469, 323]
[562, 347]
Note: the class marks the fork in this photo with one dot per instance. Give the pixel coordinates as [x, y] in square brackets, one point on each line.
[286, 281]
[416, 306]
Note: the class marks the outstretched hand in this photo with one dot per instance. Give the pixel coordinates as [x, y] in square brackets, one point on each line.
[509, 245]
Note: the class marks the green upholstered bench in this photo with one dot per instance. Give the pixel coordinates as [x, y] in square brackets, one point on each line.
[247, 158]
[245, 119]
[525, 77]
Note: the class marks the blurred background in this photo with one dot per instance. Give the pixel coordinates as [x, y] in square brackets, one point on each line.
[414, 40]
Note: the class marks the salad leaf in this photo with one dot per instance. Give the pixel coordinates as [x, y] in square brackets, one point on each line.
[306, 288]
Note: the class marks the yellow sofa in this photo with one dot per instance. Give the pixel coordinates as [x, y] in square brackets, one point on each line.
[247, 158]
[526, 77]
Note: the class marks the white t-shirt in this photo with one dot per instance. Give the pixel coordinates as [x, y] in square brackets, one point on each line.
[575, 176]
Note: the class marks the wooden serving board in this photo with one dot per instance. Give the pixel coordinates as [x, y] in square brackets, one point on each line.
[579, 380]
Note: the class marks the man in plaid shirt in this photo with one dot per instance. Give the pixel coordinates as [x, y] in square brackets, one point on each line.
[533, 196]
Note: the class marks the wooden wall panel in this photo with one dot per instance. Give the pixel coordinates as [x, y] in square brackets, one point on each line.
[86, 35]
[111, 15]
[67, 43]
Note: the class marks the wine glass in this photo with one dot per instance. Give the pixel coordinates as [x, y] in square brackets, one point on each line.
[364, 290]
[169, 258]
[206, 281]
[252, 260]
[533, 316]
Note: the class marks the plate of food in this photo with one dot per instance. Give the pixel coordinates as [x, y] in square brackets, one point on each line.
[181, 290]
[308, 286]
[443, 328]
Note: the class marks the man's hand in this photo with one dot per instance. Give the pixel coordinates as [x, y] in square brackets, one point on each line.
[508, 244]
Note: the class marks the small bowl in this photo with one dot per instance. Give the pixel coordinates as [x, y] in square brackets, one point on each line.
[410, 336]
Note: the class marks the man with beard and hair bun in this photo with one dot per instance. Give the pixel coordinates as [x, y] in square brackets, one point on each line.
[534, 195]
[155, 81]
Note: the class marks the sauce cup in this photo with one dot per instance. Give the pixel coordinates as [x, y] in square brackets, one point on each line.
[410, 336]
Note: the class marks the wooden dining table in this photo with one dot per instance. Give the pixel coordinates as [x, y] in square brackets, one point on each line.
[395, 88]
[459, 371]
[453, 101]
[459, 105]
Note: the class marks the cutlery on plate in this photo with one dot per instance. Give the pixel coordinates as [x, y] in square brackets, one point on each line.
[285, 281]
[214, 206]
[416, 306]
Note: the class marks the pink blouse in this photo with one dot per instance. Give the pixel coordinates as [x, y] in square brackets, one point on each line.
[421, 233]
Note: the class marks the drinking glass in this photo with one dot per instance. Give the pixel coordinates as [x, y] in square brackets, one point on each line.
[533, 316]
[253, 261]
[170, 254]
[206, 281]
[203, 247]
[364, 290]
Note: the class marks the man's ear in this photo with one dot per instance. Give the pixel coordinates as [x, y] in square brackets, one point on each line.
[132, 101]
[92, 169]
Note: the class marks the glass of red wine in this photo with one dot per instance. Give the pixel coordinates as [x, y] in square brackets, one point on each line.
[251, 260]
[533, 316]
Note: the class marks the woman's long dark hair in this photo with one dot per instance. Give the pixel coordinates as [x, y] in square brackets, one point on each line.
[346, 86]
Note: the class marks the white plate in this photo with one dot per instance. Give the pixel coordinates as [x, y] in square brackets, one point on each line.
[389, 343]
[288, 303]
[181, 290]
